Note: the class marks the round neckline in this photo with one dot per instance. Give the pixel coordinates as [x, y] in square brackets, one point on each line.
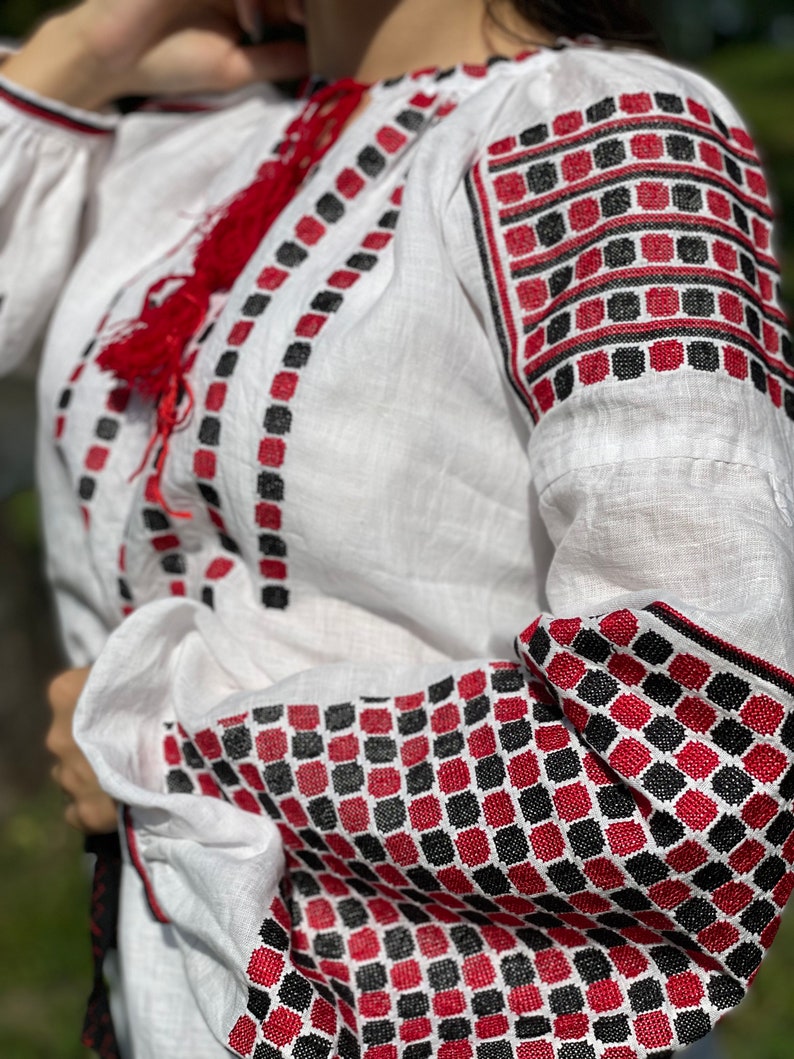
[439, 74]
[473, 71]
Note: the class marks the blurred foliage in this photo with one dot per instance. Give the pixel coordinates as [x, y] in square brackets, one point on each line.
[763, 1026]
[759, 79]
[20, 516]
[45, 967]
[692, 30]
[18, 16]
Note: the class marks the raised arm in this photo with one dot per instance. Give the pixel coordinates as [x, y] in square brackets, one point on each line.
[100, 50]
[57, 131]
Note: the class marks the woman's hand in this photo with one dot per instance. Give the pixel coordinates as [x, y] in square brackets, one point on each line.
[90, 810]
[103, 49]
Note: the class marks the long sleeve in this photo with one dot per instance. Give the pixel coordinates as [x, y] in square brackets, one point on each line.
[50, 158]
[582, 851]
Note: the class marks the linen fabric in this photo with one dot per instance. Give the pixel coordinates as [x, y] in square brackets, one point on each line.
[456, 721]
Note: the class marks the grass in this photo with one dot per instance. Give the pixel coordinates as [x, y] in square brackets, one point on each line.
[762, 1027]
[759, 79]
[45, 965]
[20, 518]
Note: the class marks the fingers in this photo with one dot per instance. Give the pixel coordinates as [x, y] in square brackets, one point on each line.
[59, 741]
[65, 689]
[280, 61]
[90, 810]
[92, 816]
[255, 15]
[251, 18]
[74, 774]
[54, 741]
[62, 694]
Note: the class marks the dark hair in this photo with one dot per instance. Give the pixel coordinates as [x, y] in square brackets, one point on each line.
[615, 21]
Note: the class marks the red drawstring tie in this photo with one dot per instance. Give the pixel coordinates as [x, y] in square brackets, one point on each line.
[168, 420]
[148, 353]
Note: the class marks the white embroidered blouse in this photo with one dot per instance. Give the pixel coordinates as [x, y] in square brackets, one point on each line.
[512, 364]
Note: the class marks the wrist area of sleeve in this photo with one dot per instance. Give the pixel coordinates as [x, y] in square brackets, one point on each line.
[25, 105]
[171, 662]
[189, 852]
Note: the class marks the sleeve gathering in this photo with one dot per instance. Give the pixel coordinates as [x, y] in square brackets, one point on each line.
[51, 156]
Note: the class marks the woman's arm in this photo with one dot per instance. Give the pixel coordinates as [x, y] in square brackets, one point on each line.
[57, 62]
[51, 156]
[103, 49]
[55, 147]
[89, 809]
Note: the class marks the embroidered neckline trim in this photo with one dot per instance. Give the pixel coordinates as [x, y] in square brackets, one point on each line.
[475, 71]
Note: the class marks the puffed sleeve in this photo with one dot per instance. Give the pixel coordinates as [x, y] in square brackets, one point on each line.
[50, 157]
[582, 851]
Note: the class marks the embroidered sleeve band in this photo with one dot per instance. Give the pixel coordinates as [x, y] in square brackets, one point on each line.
[630, 237]
[583, 855]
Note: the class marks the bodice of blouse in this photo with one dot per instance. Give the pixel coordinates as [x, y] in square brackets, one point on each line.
[516, 346]
[311, 458]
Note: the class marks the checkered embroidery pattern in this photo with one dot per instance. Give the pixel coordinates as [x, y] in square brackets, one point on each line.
[581, 857]
[631, 236]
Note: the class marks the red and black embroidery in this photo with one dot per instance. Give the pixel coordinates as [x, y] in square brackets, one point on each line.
[288, 257]
[160, 527]
[278, 415]
[389, 142]
[157, 524]
[106, 433]
[630, 237]
[584, 856]
[164, 538]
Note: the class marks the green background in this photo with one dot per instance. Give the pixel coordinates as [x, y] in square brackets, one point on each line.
[44, 952]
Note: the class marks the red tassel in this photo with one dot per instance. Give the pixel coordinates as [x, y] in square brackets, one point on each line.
[148, 353]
